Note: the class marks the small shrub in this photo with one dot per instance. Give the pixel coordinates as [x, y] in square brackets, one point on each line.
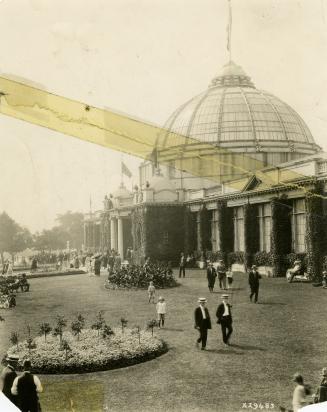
[45, 329]
[14, 338]
[59, 328]
[99, 322]
[123, 322]
[151, 324]
[106, 331]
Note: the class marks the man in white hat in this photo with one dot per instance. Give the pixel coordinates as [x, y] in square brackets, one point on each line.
[202, 322]
[224, 318]
[8, 376]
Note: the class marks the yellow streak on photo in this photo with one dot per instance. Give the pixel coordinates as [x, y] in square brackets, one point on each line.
[125, 134]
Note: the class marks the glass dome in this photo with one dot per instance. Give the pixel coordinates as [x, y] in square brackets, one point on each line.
[233, 114]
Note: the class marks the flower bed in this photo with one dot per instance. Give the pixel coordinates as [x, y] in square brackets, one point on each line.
[90, 352]
[139, 276]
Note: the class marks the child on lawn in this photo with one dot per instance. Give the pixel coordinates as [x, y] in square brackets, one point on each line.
[151, 292]
[161, 311]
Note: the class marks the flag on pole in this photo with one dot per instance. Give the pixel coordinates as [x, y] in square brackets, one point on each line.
[125, 170]
[229, 27]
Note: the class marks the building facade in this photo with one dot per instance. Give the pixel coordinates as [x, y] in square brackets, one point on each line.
[266, 204]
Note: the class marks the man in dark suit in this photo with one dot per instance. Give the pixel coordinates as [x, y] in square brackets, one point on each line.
[202, 322]
[224, 319]
[211, 276]
[182, 264]
[8, 376]
[254, 278]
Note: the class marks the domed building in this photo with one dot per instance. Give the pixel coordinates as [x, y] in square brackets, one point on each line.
[232, 177]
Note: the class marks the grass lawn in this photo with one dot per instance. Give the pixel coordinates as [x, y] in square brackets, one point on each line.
[283, 334]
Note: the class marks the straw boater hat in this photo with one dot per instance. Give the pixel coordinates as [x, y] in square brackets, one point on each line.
[324, 372]
[224, 296]
[253, 267]
[12, 358]
[161, 298]
[297, 261]
[203, 300]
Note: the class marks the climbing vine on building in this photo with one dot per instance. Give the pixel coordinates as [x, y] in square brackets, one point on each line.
[315, 231]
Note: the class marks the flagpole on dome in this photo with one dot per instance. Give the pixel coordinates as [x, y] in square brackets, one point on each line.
[229, 30]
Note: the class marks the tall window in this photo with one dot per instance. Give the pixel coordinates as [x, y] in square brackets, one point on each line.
[265, 226]
[214, 231]
[298, 225]
[239, 229]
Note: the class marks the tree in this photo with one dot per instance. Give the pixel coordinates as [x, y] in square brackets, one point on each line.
[13, 237]
[29, 341]
[72, 223]
[107, 331]
[14, 338]
[45, 329]
[152, 324]
[59, 328]
[137, 331]
[99, 322]
[66, 347]
[54, 238]
[123, 322]
[78, 325]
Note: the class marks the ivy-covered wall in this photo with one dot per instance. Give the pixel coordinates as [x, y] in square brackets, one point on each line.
[251, 233]
[205, 229]
[164, 232]
[281, 234]
[225, 229]
[190, 229]
[316, 234]
[138, 234]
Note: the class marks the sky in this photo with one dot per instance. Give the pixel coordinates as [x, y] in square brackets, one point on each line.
[143, 58]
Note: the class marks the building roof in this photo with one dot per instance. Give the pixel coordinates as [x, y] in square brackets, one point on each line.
[233, 111]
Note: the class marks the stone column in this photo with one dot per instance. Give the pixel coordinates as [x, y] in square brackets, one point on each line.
[120, 238]
[198, 231]
[113, 234]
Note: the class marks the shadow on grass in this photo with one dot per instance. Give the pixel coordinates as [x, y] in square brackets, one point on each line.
[228, 291]
[247, 347]
[227, 351]
[271, 303]
[173, 329]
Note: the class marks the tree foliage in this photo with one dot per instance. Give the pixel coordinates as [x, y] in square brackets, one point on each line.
[13, 237]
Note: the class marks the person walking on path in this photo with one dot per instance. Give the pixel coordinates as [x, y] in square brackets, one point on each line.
[254, 278]
[229, 279]
[224, 319]
[221, 270]
[211, 276]
[182, 264]
[161, 311]
[151, 292]
[27, 387]
[202, 322]
[97, 265]
[8, 376]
